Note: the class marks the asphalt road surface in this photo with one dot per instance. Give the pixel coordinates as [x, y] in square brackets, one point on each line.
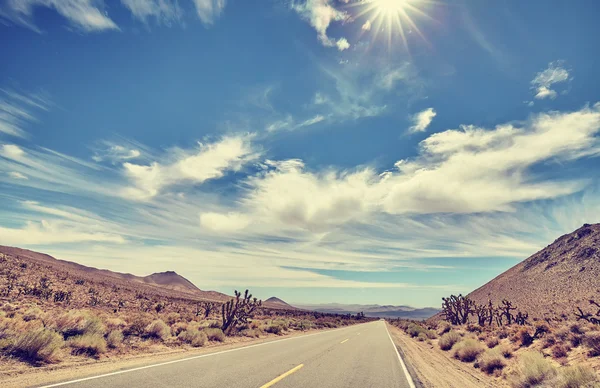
[356, 356]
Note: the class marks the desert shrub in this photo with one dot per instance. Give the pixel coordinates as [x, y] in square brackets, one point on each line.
[576, 376]
[300, 325]
[443, 327]
[467, 350]
[562, 334]
[137, 325]
[502, 333]
[274, 329]
[471, 328]
[506, 351]
[178, 327]
[114, 339]
[523, 337]
[32, 314]
[532, 370]
[491, 342]
[431, 334]
[251, 333]
[37, 345]
[491, 360]
[158, 329]
[193, 337]
[173, 317]
[592, 343]
[76, 323]
[422, 337]
[560, 351]
[414, 330]
[214, 334]
[575, 339]
[576, 328]
[448, 340]
[548, 341]
[89, 344]
[115, 324]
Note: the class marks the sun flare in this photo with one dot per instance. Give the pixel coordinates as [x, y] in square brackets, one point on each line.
[393, 18]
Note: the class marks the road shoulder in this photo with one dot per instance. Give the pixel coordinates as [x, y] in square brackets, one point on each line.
[431, 369]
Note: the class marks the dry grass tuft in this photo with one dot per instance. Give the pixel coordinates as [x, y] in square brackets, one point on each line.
[576, 377]
[560, 350]
[532, 370]
[215, 334]
[114, 339]
[38, 345]
[592, 343]
[467, 350]
[88, 344]
[443, 327]
[492, 342]
[158, 329]
[448, 340]
[193, 337]
[491, 360]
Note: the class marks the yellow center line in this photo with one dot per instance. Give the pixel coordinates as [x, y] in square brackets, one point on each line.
[283, 376]
[345, 340]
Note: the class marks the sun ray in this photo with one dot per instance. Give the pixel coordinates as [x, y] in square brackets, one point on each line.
[393, 18]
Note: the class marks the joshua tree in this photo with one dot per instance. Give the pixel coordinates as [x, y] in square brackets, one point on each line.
[506, 309]
[209, 307]
[592, 318]
[457, 309]
[238, 310]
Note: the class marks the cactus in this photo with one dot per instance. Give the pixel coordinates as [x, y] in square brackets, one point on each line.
[238, 311]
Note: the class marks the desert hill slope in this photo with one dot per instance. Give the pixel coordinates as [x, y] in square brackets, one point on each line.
[274, 301]
[165, 282]
[553, 281]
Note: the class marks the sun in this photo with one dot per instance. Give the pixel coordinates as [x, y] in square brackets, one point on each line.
[389, 6]
[392, 18]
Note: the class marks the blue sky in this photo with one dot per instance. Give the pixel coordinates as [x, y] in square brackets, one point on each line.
[385, 151]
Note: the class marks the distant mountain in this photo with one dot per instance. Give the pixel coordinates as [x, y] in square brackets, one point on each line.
[167, 281]
[277, 303]
[373, 310]
[553, 281]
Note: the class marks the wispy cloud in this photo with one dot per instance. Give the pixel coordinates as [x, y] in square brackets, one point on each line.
[163, 11]
[85, 15]
[422, 120]
[543, 81]
[17, 110]
[320, 14]
[115, 153]
[209, 10]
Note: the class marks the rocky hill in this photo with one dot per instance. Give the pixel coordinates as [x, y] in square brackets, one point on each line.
[553, 281]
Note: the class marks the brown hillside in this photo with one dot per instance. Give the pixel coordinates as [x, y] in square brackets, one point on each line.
[164, 283]
[553, 281]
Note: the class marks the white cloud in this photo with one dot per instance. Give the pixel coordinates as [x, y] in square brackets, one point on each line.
[115, 153]
[422, 120]
[320, 14]
[228, 222]
[458, 171]
[82, 14]
[543, 81]
[342, 44]
[209, 10]
[164, 11]
[366, 26]
[16, 175]
[11, 151]
[210, 161]
[51, 233]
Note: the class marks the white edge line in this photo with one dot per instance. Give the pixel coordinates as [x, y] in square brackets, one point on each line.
[190, 358]
[411, 383]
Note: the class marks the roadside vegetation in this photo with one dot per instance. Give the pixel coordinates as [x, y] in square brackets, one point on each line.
[506, 345]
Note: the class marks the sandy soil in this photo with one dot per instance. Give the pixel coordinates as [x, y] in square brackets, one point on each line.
[18, 374]
[434, 369]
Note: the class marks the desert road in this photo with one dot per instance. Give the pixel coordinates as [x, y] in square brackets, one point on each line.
[356, 356]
